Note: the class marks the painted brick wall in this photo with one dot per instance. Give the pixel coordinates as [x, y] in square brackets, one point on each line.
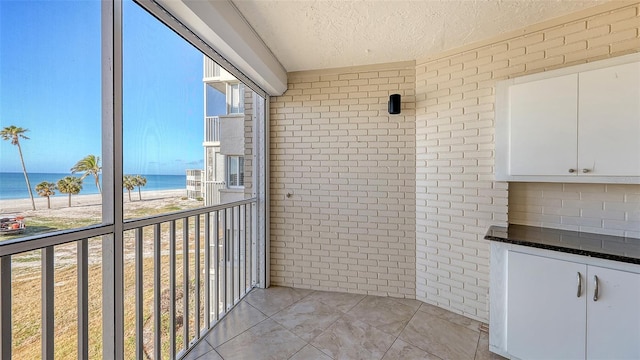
[349, 224]
[457, 198]
[248, 143]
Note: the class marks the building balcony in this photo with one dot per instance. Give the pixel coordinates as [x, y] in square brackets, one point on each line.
[194, 183]
[211, 130]
[184, 287]
[212, 191]
[228, 127]
[213, 73]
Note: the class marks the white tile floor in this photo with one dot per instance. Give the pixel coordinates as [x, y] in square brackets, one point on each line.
[297, 324]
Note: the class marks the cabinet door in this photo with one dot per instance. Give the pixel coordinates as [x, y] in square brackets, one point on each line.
[542, 134]
[613, 322]
[609, 121]
[545, 314]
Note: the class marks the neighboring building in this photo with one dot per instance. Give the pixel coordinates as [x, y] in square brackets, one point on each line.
[194, 184]
[227, 139]
[224, 147]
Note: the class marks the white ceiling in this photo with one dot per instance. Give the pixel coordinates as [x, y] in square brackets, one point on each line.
[319, 34]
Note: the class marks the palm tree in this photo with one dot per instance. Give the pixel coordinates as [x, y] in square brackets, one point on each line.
[140, 181]
[129, 183]
[90, 164]
[14, 134]
[46, 189]
[70, 185]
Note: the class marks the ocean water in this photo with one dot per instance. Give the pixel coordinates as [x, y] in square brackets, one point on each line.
[13, 186]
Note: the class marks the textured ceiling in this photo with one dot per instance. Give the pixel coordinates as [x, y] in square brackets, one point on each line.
[319, 34]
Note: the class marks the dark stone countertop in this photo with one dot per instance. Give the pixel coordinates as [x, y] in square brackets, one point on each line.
[617, 248]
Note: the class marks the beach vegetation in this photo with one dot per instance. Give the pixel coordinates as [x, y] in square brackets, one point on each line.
[46, 189]
[70, 185]
[40, 224]
[129, 183]
[90, 165]
[159, 210]
[139, 181]
[14, 134]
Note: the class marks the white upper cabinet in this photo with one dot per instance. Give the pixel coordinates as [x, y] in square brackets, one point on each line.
[534, 149]
[576, 124]
[609, 121]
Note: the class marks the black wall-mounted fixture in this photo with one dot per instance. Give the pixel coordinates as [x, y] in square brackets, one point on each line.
[394, 104]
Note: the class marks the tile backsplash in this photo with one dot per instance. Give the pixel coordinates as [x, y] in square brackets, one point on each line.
[612, 209]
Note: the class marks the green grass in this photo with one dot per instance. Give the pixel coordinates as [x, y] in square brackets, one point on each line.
[39, 225]
[31, 256]
[60, 224]
[158, 211]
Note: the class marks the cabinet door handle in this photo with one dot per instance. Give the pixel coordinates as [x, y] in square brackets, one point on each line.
[579, 284]
[572, 170]
[595, 290]
[586, 171]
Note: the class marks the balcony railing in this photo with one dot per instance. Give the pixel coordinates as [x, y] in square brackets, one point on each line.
[211, 69]
[181, 271]
[213, 73]
[212, 129]
[212, 192]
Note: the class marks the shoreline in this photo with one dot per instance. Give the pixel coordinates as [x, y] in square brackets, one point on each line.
[23, 206]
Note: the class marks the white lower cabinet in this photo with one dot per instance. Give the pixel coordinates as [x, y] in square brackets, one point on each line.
[613, 321]
[545, 317]
[558, 309]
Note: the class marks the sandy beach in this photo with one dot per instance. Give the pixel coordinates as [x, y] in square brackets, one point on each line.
[90, 205]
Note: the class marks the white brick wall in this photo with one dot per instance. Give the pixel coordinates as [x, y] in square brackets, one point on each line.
[248, 143]
[456, 196]
[398, 205]
[349, 166]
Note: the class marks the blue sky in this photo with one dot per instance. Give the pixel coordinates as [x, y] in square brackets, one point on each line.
[50, 83]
